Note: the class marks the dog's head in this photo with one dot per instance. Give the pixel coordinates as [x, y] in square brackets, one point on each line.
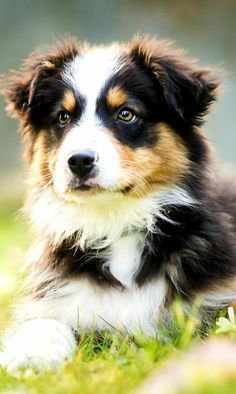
[120, 118]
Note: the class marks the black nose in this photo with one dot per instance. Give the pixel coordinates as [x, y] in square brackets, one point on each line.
[82, 163]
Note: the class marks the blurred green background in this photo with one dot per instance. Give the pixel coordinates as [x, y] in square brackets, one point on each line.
[207, 30]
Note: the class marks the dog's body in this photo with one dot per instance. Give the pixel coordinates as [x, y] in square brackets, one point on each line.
[128, 206]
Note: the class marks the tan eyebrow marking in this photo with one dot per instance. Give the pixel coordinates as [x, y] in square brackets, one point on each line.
[116, 96]
[49, 65]
[69, 101]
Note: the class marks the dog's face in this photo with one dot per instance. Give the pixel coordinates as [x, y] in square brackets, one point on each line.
[118, 119]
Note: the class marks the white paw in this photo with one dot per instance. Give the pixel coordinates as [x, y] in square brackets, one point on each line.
[39, 344]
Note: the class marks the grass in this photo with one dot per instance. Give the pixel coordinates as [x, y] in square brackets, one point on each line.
[108, 365]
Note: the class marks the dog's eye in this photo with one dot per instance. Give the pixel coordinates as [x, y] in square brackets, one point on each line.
[126, 115]
[63, 118]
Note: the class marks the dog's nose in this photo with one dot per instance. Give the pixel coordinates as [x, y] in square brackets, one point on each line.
[82, 163]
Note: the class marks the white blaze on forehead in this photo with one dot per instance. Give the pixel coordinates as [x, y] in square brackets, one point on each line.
[88, 72]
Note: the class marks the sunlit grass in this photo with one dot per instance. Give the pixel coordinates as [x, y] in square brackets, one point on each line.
[104, 365]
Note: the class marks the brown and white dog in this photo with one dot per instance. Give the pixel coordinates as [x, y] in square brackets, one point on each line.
[128, 208]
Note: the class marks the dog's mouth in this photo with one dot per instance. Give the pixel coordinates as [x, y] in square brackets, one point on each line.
[86, 188]
[94, 188]
[76, 187]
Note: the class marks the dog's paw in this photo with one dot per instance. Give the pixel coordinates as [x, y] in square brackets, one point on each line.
[39, 344]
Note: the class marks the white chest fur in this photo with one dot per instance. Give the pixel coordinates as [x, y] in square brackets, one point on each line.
[124, 258]
[132, 310]
[83, 304]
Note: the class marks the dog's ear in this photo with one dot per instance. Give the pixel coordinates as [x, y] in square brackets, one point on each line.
[19, 87]
[188, 90]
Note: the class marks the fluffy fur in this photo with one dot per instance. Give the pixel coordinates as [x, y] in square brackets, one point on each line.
[146, 219]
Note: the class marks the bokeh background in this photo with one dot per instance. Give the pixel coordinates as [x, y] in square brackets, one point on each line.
[206, 28]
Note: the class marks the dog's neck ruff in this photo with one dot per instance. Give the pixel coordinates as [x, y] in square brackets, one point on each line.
[97, 223]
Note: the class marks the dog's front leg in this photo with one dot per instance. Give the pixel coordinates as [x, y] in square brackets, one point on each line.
[38, 344]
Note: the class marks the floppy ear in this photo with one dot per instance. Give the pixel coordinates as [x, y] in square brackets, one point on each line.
[188, 90]
[19, 87]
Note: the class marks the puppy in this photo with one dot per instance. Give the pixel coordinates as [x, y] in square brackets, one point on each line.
[128, 208]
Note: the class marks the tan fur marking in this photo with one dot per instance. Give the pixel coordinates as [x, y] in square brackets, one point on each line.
[41, 174]
[172, 156]
[161, 166]
[116, 97]
[49, 65]
[69, 101]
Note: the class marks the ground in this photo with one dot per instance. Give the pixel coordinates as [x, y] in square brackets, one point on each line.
[107, 365]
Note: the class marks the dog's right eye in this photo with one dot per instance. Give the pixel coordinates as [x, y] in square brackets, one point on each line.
[63, 118]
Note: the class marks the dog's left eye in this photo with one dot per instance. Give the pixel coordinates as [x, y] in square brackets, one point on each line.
[127, 115]
[63, 118]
